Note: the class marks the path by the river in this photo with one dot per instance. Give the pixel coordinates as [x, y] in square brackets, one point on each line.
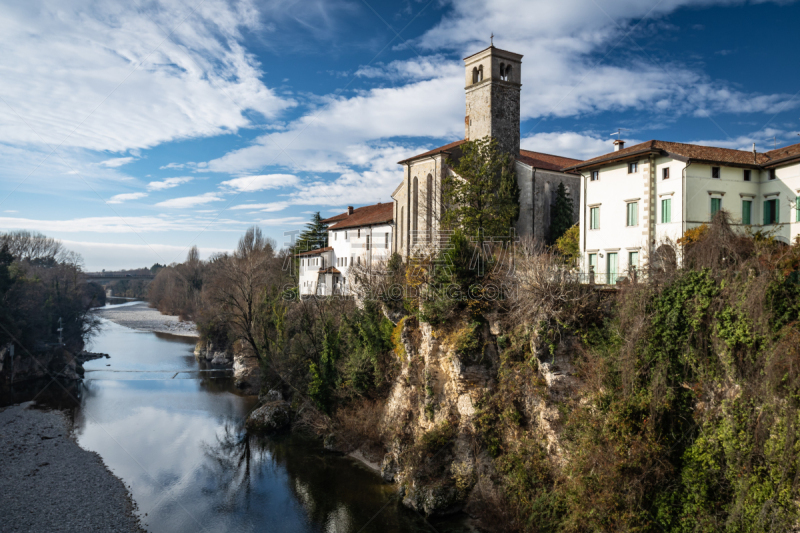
[140, 316]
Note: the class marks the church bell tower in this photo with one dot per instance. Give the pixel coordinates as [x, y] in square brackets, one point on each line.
[493, 85]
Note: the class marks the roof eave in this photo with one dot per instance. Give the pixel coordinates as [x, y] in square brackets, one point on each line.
[613, 158]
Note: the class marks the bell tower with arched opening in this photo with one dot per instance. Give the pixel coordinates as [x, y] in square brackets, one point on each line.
[493, 84]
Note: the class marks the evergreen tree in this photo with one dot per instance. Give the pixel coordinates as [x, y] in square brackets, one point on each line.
[483, 194]
[314, 236]
[560, 214]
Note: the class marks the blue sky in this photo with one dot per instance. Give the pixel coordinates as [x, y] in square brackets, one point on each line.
[134, 130]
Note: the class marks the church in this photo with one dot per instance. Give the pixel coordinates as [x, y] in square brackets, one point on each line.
[492, 79]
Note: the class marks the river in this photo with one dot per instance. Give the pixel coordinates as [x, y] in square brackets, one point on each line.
[174, 435]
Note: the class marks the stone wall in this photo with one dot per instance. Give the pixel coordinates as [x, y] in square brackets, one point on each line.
[536, 197]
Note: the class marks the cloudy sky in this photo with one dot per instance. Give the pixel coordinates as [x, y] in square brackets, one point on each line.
[134, 130]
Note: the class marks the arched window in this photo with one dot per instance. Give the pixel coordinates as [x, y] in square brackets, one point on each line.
[475, 75]
[480, 73]
[429, 209]
[502, 71]
[400, 244]
[414, 212]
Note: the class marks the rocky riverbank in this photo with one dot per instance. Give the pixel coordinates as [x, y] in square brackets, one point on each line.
[144, 318]
[49, 483]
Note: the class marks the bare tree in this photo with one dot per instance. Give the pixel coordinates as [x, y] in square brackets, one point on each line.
[237, 289]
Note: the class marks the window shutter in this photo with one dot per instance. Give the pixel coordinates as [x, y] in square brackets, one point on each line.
[766, 212]
[797, 208]
[777, 204]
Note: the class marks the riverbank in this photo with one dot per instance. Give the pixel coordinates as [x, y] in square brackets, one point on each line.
[49, 483]
[141, 317]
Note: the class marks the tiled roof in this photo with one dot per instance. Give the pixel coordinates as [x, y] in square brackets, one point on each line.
[315, 252]
[442, 149]
[696, 152]
[329, 270]
[364, 216]
[782, 154]
[546, 161]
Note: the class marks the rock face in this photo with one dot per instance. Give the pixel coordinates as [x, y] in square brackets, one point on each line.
[44, 362]
[272, 417]
[206, 352]
[246, 372]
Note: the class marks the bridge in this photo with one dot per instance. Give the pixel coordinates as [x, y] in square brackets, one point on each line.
[106, 276]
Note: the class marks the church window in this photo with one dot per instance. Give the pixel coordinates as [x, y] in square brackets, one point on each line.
[480, 73]
[415, 212]
[475, 75]
[429, 208]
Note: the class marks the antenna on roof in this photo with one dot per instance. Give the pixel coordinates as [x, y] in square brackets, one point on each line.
[619, 131]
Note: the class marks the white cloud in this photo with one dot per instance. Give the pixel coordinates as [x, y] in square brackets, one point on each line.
[115, 224]
[10, 211]
[167, 183]
[191, 201]
[119, 198]
[569, 144]
[261, 183]
[267, 208]
[102, 76]
[116, 162]
[111, 256]
[286, 221]
[173, 165]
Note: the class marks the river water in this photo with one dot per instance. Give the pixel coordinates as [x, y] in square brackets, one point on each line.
[174, 435]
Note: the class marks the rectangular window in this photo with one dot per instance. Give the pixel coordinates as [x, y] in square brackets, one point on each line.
[594, 218]
[747, 212]
[633, 214]
[716, 205]
[335, 236]
[665, 173]
[715, 172]
[593, 262]
[359, 234]
[772, 173]
[612, 268]
[367, 242]
[771, 215]
[747, 174]
[387, 240]
[345, 235]
[633, 260]
[595, 175]
[797, 209]
[633, 168]
[666, 211]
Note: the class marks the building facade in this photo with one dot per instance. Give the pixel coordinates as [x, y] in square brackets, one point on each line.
[636, 202]
[361, 236]
[492, 95]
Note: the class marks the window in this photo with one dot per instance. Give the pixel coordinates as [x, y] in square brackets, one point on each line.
[771, 215]
[594, 218]
[595, 175]
[359, 234]
[386, 243]
[716, 205]
[633, 260]
[367, 242]
[351, 260]
[593, 262]
[475, 75]
[772, 173]
[633, 214]
[747, 211]
[665, 173]
[797, 208]
[612, 268]
[633, 168]
[747, 174]
[666, 210]
[715, 172]
[345, 235]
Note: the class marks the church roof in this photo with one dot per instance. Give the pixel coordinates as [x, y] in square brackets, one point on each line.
[446, 149]
[368, 215]
[546, 161]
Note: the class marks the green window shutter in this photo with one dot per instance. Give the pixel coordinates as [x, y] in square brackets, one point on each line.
[796, 209]
[633, 213]
[666, 210]
[747, 207]
[777, 204]
[716, 205]
[767, 209]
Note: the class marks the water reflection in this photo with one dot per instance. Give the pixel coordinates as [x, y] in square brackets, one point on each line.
[178, 443]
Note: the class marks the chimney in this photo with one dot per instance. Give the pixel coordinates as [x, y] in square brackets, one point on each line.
[349, 210]
[755, 154]
[619, 144]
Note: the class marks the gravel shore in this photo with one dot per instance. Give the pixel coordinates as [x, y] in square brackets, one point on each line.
[140, 316]
[48, 483]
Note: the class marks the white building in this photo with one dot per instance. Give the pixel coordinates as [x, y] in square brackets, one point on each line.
[636, 199]
[360, 236]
